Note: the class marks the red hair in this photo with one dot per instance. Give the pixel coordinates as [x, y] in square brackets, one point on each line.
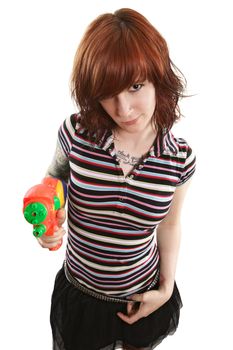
[117, 51]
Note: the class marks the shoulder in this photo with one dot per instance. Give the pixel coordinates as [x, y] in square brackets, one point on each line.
[67, 131]
[71, 126]
[72, 122]
[183, 147]
[186, 159]
[186, 151]
[182, 150]
[176, 146]
[181, 155]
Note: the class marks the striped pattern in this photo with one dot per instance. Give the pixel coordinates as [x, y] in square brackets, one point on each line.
[111, 218]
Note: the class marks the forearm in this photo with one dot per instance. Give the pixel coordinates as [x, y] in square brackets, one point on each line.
[168, 240]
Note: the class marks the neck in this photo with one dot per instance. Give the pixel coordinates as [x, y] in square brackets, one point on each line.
[135, 137]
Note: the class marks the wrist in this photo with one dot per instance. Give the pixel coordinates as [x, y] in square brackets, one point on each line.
[166, 287]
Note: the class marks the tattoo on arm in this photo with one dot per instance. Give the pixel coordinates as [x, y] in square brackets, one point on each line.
[60, 165]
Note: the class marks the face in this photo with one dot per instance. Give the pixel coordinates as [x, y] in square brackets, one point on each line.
[133, 108]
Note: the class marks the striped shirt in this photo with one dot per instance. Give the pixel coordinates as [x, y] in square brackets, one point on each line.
[112, 218]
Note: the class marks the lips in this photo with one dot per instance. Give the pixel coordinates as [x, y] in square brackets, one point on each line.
[131, 122]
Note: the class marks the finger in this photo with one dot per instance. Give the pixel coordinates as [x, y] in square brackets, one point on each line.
[129, 319]
[61, 212]
[57, 235]
[48, 245]
[55, 239]
[136, 297]
[43, 244]
[39, 241]
[130, 308]
[58, 232]
[61, 216]
[133, 307]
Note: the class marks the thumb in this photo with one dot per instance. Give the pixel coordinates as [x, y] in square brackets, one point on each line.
[136, 297]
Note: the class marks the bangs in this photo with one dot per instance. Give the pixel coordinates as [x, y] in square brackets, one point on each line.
[120, 65]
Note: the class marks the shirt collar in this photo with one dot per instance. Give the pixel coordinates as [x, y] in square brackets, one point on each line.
[165, 143]
[106, 141]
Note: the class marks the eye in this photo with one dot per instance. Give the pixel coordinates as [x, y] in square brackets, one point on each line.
[136, 87]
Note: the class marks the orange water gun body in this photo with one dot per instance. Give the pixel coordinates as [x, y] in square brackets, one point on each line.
[40, 205]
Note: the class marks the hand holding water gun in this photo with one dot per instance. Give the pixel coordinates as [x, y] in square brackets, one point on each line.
[43, 208]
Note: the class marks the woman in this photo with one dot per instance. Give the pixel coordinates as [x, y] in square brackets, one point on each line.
[127, 178]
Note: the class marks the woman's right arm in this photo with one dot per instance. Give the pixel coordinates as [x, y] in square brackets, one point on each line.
[58, 168]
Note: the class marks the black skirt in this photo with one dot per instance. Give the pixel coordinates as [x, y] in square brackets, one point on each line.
[82, 322]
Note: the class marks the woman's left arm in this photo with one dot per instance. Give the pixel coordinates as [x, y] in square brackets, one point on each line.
[168, 240]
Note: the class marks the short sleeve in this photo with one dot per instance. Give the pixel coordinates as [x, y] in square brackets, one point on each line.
[66, 133]
[59, 166]
[189, 165]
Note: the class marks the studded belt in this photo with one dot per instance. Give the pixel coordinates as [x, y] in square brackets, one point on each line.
[100, 296]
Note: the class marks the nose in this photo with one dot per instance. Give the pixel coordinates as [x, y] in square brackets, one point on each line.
[123, 105]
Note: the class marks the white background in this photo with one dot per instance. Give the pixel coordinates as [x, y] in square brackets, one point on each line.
[38, 42]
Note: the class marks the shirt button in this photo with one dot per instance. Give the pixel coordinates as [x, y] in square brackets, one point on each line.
[121, 199]
[140, 166]
[131, 177]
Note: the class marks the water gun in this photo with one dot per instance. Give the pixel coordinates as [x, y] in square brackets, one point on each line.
[40, 205]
